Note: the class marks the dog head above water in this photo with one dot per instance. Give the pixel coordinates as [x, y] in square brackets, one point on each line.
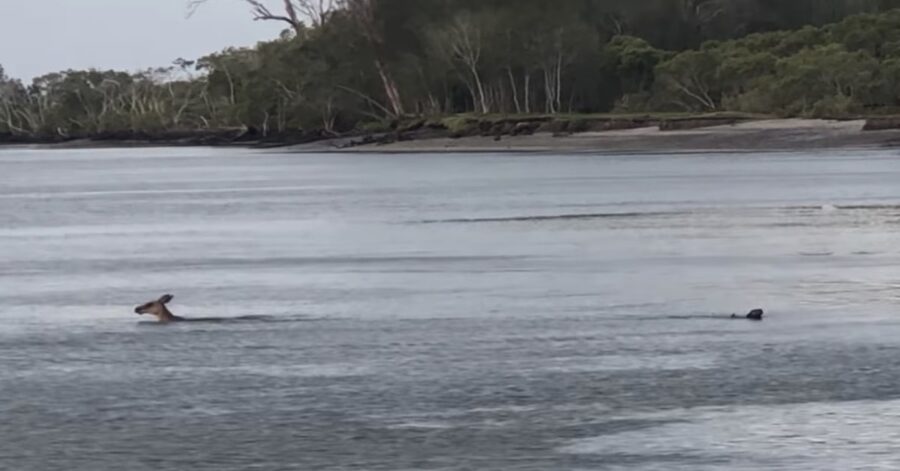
[754, 315]
[158, 308]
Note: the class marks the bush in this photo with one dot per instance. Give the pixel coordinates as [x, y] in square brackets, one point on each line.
[837, 106]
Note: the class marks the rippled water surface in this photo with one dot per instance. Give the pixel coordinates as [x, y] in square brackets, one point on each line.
[449, 312]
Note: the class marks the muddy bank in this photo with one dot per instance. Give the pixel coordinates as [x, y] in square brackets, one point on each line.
[384, 133]
[221, 137]
[469, 129]
[637, 133]
[685, 136]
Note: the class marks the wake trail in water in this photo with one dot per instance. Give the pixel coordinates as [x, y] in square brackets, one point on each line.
[554, 217]
[232, 320]
[651, 214]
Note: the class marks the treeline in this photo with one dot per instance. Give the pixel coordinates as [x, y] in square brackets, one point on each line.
[351, 64]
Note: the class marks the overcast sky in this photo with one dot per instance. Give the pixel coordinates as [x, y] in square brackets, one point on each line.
[40, 36]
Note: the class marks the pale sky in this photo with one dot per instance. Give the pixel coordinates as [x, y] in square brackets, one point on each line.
[41, 36]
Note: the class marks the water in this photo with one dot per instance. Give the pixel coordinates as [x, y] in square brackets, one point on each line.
[449, 312]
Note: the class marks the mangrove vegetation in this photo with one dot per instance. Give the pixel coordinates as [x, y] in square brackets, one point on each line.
[362, 66]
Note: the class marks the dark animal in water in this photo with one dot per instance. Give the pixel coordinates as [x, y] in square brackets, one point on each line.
[164, 315]
[754, 315]
[158, 308]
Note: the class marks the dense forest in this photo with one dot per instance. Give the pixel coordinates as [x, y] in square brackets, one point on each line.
[343, 65]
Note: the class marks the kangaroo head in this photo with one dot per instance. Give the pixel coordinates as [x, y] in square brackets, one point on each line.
[156, 308]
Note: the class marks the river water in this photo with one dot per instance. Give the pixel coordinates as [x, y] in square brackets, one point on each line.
[449, 312]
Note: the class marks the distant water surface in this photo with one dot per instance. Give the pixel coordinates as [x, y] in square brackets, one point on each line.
[449, 312]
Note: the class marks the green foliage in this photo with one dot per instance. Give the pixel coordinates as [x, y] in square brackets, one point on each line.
[459, 124]
[374, 62]
[867, 33]
[824, 80]
[838, 70]
[634, 61]
[691, 80]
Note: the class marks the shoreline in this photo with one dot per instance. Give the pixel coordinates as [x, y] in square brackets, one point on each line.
[775, 135]
[748, 135]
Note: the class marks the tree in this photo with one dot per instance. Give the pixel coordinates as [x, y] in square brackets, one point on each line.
[344, 65]
[365, 15]
[690, 80]
[461, 42]
[814, 80]
[293, 12]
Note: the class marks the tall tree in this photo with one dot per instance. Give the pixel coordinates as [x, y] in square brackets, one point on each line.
[365, 14]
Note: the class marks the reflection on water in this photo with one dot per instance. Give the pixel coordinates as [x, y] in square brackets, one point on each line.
[449, 311]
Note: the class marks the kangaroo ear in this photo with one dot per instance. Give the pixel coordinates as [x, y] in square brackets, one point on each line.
[165, 298]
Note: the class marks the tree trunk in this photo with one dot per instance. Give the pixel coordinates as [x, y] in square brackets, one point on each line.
[363, 12]
[480, 88]
[527, 93]
[515, 92]
[390, 88]
[559, 64]
[549, 90]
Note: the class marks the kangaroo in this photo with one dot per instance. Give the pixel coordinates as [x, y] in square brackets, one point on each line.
[754, 315]
[164, 315]
[158, 308]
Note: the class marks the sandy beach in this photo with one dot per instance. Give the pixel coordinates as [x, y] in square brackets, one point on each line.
[757, 135]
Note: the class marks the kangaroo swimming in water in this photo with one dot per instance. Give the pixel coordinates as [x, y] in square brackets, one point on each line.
[164, 315]
[158, 308]
[754, 315]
